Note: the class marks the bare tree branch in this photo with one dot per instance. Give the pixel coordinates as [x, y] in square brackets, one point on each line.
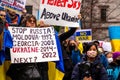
[113, 9]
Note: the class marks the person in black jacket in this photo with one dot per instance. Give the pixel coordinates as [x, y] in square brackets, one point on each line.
[68, 66]
[44, 66]
[90, 67]
[66, 58]
[29, 71]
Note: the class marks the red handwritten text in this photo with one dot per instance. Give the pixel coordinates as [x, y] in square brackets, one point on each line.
[25, 49]
[64, 3]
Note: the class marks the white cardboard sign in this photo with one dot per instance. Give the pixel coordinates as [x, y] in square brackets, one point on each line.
[60, 12]
[32, 45]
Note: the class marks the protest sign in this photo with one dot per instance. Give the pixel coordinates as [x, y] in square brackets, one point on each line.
[84, 35]
[17, 5]
[33, 45]
[60, 12]
[106, 46]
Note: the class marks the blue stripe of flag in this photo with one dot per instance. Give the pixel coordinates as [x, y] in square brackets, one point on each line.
[88, 33]
[114, 32]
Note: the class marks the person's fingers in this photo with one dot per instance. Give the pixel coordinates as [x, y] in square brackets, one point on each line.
[79, 16]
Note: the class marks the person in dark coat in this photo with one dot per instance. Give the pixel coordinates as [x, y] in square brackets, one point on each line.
[90, 67]
[114, 66]
[68, 66]
[21, 69]
[29, 71]
[66, 58]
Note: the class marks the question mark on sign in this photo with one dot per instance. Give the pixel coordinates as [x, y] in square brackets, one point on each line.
[35, 58]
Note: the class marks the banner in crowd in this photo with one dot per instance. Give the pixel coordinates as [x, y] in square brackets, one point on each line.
[106, 45]
[18, 5]
[62, 13]
[84, 35]
[114, 33]
[33, 45]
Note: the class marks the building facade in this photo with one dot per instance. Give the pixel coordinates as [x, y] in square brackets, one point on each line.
[32, 7]
[99, 15]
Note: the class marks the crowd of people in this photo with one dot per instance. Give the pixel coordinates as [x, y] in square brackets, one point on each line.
[91, 63]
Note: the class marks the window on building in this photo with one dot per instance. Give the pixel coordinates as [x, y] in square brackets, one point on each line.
[103, 14]
[29, 9]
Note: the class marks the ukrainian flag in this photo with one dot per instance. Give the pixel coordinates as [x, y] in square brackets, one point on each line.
[56, 69]
[114, 34]
[84, 35]
[5, 41]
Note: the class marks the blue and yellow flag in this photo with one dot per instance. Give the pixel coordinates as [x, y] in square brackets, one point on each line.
[114, 34]
[5, 41]
[56, 69]
[84, 35]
